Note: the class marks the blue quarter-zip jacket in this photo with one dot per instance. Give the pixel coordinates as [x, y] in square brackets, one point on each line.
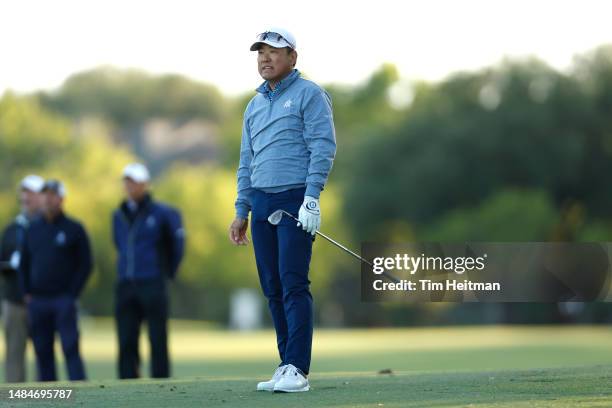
[288, 140]
[150, 240]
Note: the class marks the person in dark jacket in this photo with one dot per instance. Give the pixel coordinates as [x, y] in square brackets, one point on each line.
[14, 311]
[55, 266]
[149, 238]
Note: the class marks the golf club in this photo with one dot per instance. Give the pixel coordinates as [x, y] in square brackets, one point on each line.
[276, 217]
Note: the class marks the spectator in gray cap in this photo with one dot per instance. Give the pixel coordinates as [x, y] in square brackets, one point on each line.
[13, 307]
[55, 265]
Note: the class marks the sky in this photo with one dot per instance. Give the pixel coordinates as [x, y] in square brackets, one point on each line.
[44, 42]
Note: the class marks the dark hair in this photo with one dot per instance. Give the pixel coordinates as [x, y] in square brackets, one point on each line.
[289, 50]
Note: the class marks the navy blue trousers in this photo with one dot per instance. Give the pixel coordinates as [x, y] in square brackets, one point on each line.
[135, 302]
[283, 254]
[48, 315]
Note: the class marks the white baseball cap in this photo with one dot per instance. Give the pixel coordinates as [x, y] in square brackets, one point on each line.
[32, 183]
[136, 172]
[275, 37]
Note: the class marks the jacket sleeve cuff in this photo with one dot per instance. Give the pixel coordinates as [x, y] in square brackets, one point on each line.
[242, 212]
[313, 190]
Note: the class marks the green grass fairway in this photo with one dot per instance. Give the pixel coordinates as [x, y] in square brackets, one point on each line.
[430, 367]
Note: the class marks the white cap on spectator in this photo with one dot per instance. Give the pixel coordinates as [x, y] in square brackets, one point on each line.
[136, 172]
[32, 183]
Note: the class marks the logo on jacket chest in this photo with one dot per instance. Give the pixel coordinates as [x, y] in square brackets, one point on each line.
[60, 238]
[151, 222]
[288, 104]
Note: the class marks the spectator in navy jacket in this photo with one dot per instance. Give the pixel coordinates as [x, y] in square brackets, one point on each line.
[54, 268]
[149, 238]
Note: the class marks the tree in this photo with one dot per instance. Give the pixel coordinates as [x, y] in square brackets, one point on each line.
[520, 125]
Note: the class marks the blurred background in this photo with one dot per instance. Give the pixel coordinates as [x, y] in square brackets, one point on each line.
[454, 122]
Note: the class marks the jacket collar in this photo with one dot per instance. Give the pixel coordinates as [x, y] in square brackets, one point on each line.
[56, 220]
[23, 219]
[144, 203]
[283, 84]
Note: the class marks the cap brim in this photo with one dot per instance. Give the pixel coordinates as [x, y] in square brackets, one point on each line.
[31, 187]
[55, 191]
[275, 44]
[135, 179]
[32, 183]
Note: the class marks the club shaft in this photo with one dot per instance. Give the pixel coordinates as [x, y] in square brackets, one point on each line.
[339, 245]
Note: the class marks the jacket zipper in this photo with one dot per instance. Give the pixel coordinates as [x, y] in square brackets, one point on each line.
[130, 244]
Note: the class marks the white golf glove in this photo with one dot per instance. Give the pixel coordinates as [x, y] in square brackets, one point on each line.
[310, 215]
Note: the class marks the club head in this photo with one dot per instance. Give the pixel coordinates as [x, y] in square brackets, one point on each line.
[276, 217]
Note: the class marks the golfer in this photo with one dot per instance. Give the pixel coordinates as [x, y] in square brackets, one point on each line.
[287, 150]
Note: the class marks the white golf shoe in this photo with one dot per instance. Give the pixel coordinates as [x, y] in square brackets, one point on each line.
[269, 385]
[292, 380]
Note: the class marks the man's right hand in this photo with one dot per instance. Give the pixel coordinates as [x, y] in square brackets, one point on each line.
[238, 230]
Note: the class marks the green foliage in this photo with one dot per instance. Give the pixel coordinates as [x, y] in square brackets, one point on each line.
[231, 131]
[205, 196]
[30, 138]
[359, 111]
[513, 215]
[127, 97]
[519, 125]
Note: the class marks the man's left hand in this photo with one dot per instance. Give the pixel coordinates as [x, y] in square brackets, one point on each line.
[310, 215]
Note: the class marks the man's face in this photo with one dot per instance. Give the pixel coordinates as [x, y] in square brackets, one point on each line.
[30, 201]
[135, 191]
[274, 63]
[52, 202]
